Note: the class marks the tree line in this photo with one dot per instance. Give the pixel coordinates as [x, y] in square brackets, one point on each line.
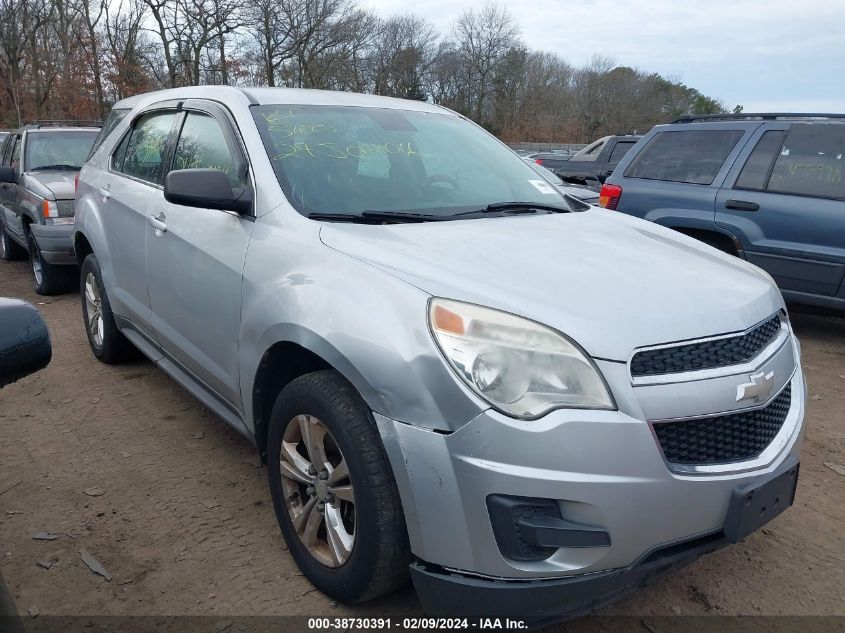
[71, 59]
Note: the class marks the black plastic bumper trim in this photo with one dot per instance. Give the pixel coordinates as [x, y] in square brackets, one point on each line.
[542, 602]
[528, 528]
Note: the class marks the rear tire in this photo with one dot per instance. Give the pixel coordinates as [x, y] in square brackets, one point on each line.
[106, 341]
[374, 559]
[9, 248]
[48, 278]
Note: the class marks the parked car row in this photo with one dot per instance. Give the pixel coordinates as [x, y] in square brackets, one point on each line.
[455, 369]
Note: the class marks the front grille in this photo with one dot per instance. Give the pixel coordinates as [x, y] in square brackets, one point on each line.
[65, 208]
[726, 438]
[707, 354]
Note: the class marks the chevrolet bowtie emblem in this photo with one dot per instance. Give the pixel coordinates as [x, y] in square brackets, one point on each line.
[760, 386]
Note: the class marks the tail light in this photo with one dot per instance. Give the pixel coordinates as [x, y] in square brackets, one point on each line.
[76, 183]
[539, 161]
[609, 196]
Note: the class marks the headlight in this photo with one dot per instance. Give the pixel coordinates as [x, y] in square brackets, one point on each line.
[520, 367]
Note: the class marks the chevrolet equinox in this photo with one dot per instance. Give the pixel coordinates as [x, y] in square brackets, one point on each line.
[453, 371]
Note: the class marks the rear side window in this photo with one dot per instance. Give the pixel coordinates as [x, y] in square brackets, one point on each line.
[142, 155]
[619, 151]
[591, 152]
[811, 161]
[112, 120]
[755, 173]
[688, 156]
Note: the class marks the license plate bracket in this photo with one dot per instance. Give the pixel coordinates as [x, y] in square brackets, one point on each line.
[756, 503]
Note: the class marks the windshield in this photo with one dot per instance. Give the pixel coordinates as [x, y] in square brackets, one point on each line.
[57, 150]
[349, 160]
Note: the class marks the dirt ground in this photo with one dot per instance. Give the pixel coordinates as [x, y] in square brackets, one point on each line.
[124, 464]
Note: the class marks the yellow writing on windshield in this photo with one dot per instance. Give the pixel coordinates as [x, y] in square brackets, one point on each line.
[334, 150]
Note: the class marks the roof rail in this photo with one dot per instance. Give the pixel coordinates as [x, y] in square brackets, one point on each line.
[758, 116]
[65, 123]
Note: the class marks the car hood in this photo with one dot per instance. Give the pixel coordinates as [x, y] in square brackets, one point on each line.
[611, 282]
[59, 184]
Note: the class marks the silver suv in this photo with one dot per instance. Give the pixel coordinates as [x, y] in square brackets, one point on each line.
[452, 370]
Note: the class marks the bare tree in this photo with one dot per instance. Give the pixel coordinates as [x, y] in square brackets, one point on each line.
[483, 39]
[403, 53]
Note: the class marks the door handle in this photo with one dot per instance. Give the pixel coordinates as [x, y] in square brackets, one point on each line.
[742, 205]
[105, 192]
[158, 222]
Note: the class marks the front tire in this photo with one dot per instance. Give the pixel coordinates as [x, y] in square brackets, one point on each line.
[333, 490]
[9, 249]
[48, 278]
[106, 341]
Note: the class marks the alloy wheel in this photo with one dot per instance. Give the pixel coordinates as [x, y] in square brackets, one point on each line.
[318, 491]
[37, 268]
[94, 309]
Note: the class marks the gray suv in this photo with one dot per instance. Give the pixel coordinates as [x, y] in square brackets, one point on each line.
[452, 370]
[38, 167]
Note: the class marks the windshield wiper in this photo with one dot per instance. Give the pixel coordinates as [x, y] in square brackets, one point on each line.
[523, 207]
[56, 167]
[513, 208]
[375, 217]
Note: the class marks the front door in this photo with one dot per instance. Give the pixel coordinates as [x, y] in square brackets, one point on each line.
[195, 259]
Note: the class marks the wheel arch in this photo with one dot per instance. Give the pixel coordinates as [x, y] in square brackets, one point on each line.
[81, 247]
[720, 240]
[300, 353]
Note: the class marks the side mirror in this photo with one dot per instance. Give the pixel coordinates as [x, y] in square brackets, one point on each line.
[24, 341]
[206, 189]
[8, 174]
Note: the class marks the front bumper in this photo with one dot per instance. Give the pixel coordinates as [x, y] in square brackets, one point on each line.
[55, 243]
[602, 469]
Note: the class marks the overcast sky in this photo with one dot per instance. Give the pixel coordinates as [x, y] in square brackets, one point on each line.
[775, 55]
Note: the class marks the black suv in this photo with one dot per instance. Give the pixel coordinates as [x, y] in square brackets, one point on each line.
[766, 187]
[38, 167]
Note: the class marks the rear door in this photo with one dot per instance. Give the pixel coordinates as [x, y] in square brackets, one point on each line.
[195, 258]
[785, 200]
[125, 194]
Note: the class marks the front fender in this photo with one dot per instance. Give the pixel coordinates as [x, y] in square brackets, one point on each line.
[367, 324]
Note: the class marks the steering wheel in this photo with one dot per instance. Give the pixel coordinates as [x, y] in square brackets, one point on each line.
[434, 179]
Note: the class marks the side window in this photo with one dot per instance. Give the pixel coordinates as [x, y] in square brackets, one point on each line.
[144, 152]
[591, 152]
[689, 156]
[203, 145]
[619, 151]
[755, 172]
[119, 153]
[16, 152]
[811, 161]
[112, 121]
